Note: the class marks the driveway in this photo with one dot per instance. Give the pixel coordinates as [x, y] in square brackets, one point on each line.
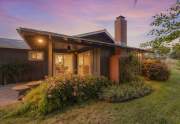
[7, 95]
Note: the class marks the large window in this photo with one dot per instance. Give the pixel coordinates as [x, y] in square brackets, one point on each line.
[84, 63]
[63, 64]
[35, 55]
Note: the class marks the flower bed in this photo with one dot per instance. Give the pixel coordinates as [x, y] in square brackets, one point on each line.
[57, 93]
[125, 92]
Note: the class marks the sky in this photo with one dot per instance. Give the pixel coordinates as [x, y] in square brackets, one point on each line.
[72, 17]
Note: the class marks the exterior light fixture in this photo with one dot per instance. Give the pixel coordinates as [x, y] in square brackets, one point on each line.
[40, 41]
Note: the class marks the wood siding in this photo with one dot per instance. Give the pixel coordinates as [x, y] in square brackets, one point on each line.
[96, 61]
[105, 55]
[37, 69]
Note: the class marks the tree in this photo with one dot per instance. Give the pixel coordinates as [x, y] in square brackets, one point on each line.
[165, 29]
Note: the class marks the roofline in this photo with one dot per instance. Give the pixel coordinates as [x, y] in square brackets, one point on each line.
[61, 35]
[76, 38]
[1, 47]
[96, 32]
[14, 48]
[11, 39]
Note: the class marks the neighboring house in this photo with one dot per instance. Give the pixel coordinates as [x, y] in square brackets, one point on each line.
[94, 53]
[12, 51]
[16, 52]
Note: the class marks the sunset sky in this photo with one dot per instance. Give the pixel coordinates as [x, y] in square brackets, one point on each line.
[79, 16]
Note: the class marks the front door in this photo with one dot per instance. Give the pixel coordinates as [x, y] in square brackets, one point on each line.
[63, 63]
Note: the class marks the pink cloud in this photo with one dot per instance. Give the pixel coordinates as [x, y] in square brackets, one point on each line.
[78, 16]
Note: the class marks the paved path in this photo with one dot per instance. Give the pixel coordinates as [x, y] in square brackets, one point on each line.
[7, 95]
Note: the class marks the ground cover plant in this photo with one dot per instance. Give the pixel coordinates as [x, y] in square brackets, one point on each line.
[125, 91]
[178, 64]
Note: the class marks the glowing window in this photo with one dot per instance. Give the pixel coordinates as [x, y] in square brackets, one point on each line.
[35, 56]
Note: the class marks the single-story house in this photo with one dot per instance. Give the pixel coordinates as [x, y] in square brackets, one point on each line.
[94, 53]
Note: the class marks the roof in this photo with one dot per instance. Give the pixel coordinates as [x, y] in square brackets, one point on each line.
[21, 31]
[13, 44]
[76, 38]
[94, 35]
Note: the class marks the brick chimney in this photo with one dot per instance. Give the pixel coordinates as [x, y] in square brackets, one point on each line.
[121, 31]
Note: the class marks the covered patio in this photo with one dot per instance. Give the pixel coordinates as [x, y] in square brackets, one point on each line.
[62, 54]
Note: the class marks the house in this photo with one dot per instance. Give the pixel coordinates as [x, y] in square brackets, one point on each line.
[93, 53]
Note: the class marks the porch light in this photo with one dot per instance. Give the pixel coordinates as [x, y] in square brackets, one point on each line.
[40, 41]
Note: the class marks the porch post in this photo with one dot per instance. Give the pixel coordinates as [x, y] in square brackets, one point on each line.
[50, 57]
[75, 63]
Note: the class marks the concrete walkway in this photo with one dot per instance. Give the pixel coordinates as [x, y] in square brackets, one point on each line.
[7, 95]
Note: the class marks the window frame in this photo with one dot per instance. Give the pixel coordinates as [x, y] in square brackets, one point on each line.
[30, 54]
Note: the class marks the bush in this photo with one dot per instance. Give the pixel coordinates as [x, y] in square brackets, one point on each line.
[56, 93]
[35, 99]
[178, 64]
[155, 70]
[175, 54]
[13, 72]
[125, 92]
[129, 68]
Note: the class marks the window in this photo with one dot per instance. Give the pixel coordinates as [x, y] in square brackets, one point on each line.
[63, 63]
[36, 56]
[84, 63]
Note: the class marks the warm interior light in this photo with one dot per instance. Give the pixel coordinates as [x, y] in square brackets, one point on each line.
[40, 40]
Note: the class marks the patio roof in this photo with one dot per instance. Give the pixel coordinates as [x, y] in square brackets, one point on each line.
[74, 39]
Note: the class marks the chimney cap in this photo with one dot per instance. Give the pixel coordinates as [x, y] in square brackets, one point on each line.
[120, 17]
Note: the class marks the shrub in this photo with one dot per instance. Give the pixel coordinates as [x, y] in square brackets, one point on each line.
[125, 92]
[129, 68]
[36, 99]
[13, 72]
[178, 64]
[56, 93]
[175, 54]
[155, 70]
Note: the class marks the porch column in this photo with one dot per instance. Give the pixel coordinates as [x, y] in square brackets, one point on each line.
[50, 57]
[75, 63]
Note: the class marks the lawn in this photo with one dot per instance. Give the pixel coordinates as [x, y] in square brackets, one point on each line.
[160, 107]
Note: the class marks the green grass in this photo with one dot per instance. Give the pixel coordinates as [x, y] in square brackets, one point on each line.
[160, 107]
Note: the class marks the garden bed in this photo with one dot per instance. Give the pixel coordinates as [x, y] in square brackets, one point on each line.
[125, 92]
[57, 93]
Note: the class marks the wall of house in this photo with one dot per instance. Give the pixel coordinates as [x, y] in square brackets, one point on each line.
[12, 55]
[37, 69]
[105, 55]
[95, 61]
